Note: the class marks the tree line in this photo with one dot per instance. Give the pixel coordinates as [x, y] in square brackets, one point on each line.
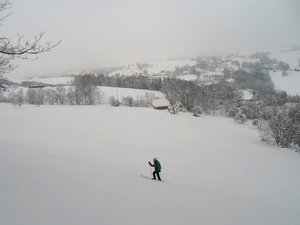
[266, 108]
[84, 91]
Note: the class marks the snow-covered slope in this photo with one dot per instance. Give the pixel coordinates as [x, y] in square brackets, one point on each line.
[289, 83]
[119, 93]
[205, 69]
[291, 57]
[81, 165]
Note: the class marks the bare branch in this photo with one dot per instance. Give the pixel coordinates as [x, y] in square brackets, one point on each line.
[27, 48]
[3, 7]
[22, 49]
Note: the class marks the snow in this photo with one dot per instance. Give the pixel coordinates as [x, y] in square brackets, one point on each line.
[290, 57]
[154, 67]
[82, 164]
[188, 77]
[169, 65]
[247, 94]
[106, 92]
[242, 59]
[13, 90]
[124, 92]
[230, 80]
[56, 80]
[289, 83]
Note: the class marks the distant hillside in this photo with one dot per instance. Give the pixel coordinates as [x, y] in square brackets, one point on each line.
[287, 80]
[283, 67]
[292, 57]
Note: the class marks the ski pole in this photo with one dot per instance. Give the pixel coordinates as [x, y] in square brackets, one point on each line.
[150, 170]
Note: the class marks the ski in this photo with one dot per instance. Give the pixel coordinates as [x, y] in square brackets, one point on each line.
[150, 178]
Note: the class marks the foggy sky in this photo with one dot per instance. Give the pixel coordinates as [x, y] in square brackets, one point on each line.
[98, 33]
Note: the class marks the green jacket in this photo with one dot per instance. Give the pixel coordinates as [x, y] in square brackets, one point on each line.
[157, 166]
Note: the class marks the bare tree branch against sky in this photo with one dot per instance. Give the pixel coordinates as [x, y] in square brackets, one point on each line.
[98, 33]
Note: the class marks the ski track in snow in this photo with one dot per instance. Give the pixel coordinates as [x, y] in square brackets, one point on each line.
[221, 195]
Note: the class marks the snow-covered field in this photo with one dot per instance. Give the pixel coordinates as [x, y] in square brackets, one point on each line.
[79, 165]
[119, 93]
[290, 83]
[290, 57]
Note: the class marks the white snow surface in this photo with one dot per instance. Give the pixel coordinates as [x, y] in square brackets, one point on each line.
[79, 165]
[290, 57]
[247, 94]
[119, 93]
[188, 77]
[290, 83]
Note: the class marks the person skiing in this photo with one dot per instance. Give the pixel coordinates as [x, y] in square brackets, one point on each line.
[157, 168]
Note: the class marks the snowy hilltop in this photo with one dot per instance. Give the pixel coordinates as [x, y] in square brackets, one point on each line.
[283, 67]
[287, 80]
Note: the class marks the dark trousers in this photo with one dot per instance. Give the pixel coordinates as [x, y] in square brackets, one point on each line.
[157, 174]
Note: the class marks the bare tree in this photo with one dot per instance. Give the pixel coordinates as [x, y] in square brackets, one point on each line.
[128, 101]
[36, 96]
[22, 48]
[16, 98]
[85, 90]
[61, 94]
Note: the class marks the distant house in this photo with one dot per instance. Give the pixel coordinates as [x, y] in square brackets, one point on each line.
[160, 104]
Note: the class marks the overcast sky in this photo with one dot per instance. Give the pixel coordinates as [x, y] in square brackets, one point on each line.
[98, 33]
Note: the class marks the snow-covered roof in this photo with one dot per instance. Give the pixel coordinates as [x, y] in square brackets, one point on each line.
[160, 102]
